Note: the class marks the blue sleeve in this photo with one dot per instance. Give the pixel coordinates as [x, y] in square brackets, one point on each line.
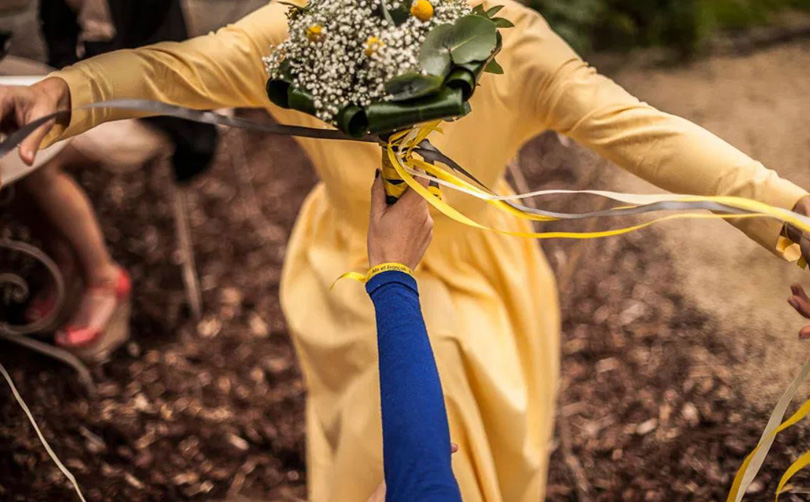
[416, 435]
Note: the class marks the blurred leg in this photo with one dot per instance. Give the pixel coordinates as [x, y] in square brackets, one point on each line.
[100, 322]
[28, 212]
[67, 210]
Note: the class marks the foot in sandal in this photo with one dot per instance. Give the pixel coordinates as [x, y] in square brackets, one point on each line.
[101, 323]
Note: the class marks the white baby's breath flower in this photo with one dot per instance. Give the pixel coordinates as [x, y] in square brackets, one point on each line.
[331, 61]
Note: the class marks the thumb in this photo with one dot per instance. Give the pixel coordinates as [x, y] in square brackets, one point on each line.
[378, 205]
[801, 305]
[31, 144]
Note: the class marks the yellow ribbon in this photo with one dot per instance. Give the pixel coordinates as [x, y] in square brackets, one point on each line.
[374, 271]
[455, 215]
[405, 141]
[797, 466]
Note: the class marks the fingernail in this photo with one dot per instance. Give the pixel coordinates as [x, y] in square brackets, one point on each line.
[376, 174]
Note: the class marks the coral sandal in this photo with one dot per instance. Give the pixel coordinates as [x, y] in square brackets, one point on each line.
[95, 344]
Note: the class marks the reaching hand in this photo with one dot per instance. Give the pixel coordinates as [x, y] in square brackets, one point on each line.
[801, 303]
[21, 105]
[799, 300]
[399, 233]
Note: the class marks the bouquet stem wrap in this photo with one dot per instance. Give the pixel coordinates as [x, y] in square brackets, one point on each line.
[394, 184]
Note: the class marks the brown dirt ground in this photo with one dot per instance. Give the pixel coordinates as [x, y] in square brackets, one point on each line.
[656, 395]
[759, 104]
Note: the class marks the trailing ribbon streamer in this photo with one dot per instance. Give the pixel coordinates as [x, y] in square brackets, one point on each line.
[399, 150]
[736, 207]
[753, 463]
[64, 470]
[797, 466]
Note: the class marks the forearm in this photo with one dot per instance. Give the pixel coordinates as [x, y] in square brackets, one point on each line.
[562, 93]
[668, 151]
[416, 438]
[217, 70]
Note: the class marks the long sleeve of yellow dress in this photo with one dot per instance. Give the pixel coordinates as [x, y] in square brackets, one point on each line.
[570, 97]
[222, 69]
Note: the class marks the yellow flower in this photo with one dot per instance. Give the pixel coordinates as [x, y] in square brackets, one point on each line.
[373, 44]
[422, 10]
[315, 33]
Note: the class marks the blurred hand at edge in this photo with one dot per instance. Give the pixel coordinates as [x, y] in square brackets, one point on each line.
[799, 299]
[21, 105]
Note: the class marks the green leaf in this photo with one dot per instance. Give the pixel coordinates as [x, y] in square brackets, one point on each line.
[353, 121]
[479, 9]
[501, 22]
[412, 85]
[434, 56]
[463, 80]
[290, 4]
[277, 92]
[400, 14]
[301, 100]
[472, 38]
[476, 67]
[494, 67]
[295, 10]
[387, 116]
[491, 12]
[285, 70]
[387, 14]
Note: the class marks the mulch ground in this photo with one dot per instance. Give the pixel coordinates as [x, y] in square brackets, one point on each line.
[214, 409]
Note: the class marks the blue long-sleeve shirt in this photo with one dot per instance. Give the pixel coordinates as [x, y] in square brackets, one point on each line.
[416, 435]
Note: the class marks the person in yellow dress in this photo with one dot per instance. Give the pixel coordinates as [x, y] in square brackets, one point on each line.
[489, 300]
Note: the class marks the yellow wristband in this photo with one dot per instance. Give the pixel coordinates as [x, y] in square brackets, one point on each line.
[379, 269]
[388, 267]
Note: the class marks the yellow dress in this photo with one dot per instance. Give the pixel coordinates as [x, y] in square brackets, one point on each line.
[489, 300]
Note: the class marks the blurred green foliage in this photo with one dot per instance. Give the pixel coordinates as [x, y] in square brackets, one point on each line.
[681, 24]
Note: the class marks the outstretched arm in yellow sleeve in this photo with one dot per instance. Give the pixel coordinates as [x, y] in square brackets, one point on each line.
[566, 95]
[222, 69]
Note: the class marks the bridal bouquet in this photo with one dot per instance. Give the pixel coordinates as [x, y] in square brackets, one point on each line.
[378, 66]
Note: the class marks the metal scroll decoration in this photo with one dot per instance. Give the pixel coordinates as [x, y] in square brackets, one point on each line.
[14, 289]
